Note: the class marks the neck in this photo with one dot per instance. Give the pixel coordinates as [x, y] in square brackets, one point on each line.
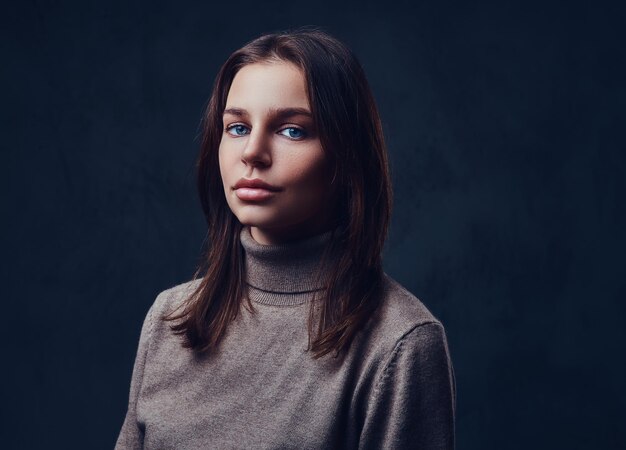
[288, 235]
[285, 273]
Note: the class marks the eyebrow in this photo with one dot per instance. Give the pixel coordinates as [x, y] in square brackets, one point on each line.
[282, 113]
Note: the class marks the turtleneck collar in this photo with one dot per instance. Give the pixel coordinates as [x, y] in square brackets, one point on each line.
[283, 274]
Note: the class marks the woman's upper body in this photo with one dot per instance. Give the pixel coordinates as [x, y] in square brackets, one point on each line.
[393, 388]
[294, 184]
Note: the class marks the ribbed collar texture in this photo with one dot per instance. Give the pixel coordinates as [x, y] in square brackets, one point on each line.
[285, 274]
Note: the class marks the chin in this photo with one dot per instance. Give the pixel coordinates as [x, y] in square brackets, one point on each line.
[261, 219]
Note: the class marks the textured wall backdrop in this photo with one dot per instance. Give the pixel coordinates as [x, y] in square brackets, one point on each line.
[504, 124]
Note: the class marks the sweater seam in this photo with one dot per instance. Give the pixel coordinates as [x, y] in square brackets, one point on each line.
[389, 365]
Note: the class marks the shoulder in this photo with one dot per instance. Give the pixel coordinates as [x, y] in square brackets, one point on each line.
[155, 331]
[402, 318]
[412, 399]
[174, 297]
[409, 335]
[402, 311]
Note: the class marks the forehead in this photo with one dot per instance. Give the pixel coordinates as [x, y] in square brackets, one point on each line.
[268, 85]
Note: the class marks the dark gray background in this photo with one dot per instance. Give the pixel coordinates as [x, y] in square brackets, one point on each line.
[504, 123]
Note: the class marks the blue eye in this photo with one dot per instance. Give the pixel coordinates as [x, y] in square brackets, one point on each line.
[293, 133]
[237, 130]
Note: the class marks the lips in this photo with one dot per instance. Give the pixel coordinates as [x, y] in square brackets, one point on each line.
[255, 183]
[254, 190]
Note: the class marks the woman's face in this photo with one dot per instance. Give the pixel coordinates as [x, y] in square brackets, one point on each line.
[275, 173]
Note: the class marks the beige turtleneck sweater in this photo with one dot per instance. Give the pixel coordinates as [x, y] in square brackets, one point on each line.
[394, 389]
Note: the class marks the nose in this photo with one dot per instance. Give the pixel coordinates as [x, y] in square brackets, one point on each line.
[257, 152]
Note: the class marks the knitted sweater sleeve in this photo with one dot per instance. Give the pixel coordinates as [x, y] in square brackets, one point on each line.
[413, 402]
[131, 434]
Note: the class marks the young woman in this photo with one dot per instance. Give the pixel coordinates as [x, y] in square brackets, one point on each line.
[290, 334]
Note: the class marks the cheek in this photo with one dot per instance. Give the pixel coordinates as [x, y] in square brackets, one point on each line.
[311, 174]
[225, 162]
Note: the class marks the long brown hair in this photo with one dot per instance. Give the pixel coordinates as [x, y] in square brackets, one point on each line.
[350, 132]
